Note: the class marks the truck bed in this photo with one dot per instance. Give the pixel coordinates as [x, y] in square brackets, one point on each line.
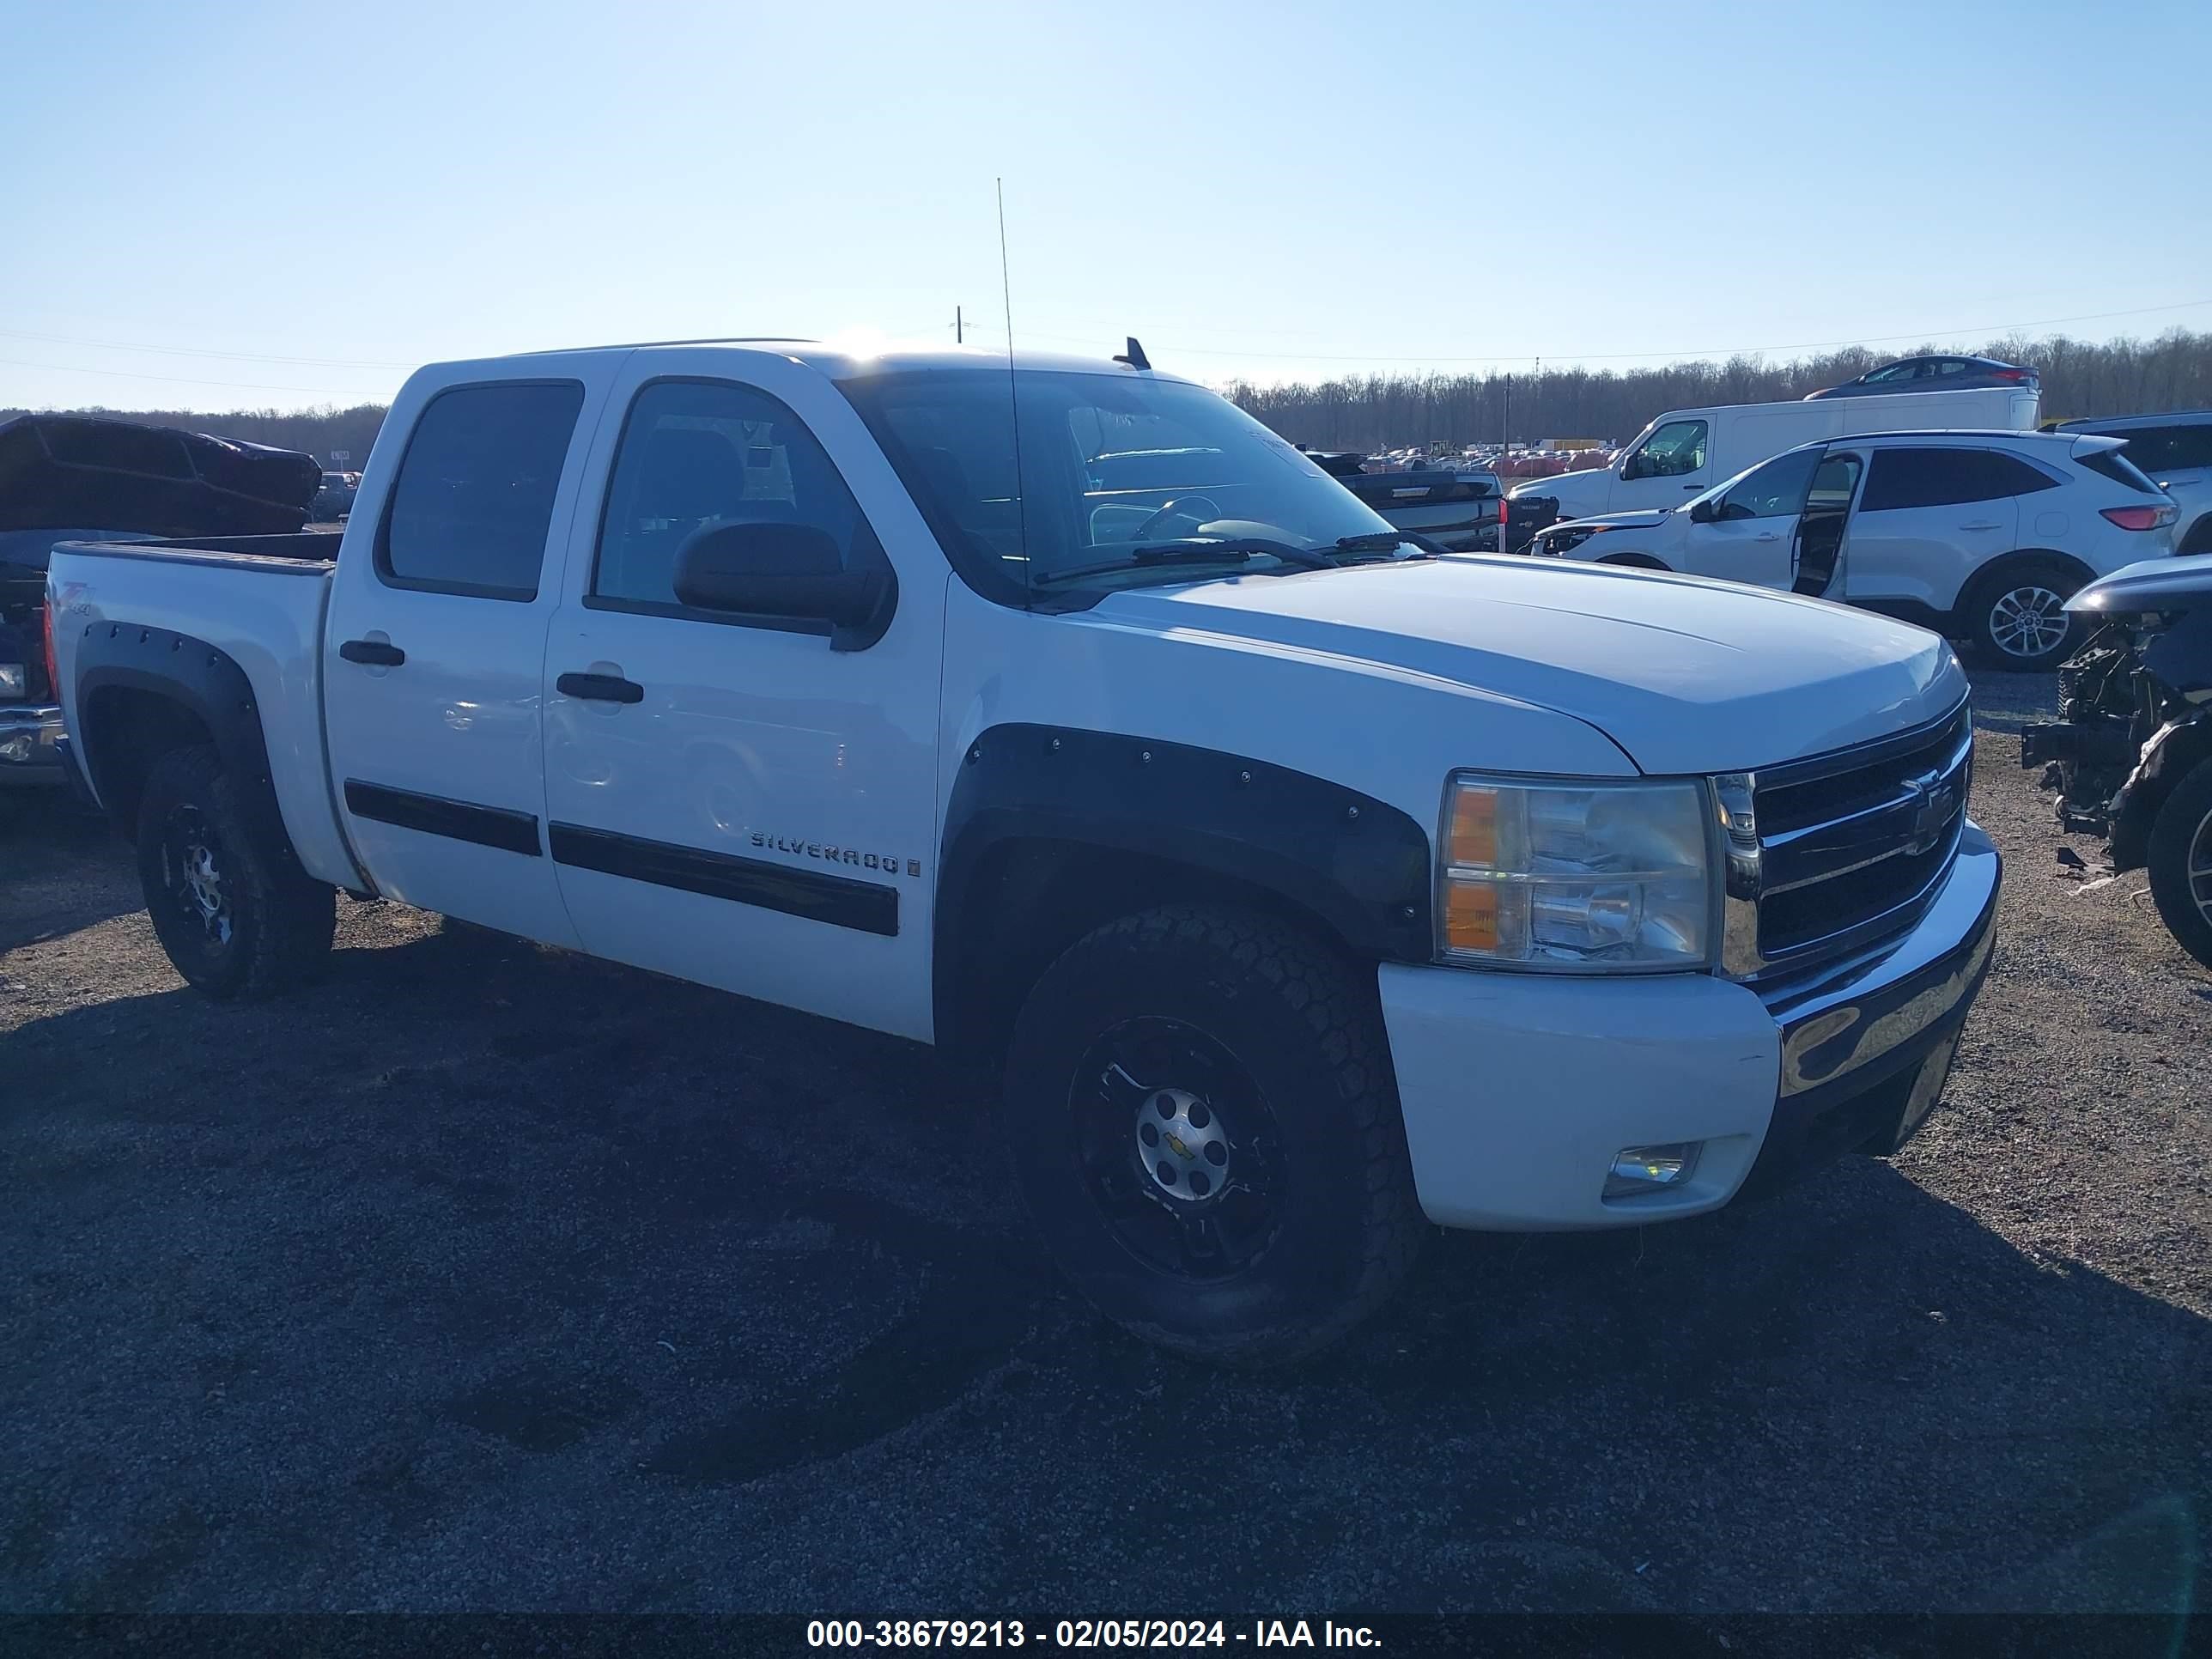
[259, 601]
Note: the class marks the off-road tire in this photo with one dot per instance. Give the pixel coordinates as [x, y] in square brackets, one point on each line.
[2183, 816]
[1977, 613]
[280, 918]
[1303, 1022]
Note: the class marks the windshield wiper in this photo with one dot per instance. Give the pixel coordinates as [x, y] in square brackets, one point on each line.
[1383, 541]
[1195, 549]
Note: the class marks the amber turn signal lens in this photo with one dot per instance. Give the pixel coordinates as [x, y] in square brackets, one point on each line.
[1474, 828]
[1471, 915]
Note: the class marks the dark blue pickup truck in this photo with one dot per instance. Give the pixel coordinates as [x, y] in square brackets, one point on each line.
[1463, 508]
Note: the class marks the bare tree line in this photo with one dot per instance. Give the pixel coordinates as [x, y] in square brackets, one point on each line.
[2080, 379]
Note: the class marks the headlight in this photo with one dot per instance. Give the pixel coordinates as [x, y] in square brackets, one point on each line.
[1591, 875]
[12, 680]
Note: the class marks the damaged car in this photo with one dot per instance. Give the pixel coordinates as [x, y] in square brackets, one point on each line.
[2132, 753]
[79, 477]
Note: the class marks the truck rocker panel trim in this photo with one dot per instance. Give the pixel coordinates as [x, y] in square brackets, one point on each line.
[433, 815]
[866, 907]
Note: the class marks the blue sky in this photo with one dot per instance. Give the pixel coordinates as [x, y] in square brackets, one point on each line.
[1277, 190]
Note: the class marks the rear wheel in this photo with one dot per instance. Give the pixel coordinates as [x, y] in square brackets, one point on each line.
[2016, 617]
[236, 917]
[2181, 861]
[1205, 1126]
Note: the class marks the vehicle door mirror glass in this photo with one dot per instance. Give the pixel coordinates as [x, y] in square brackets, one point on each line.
[793, 572]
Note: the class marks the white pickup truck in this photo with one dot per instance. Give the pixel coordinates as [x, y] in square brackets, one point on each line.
[1301, 883]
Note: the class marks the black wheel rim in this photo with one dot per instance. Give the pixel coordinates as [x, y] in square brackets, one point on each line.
[192, 878]
[1177, 1149]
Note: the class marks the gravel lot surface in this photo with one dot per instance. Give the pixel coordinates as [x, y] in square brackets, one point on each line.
[480, 1277]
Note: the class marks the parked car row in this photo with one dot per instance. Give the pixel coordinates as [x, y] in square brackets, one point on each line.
[1979, 536]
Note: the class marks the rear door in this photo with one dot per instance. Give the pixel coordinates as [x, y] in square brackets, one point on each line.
[1929, 517]
[436, 648]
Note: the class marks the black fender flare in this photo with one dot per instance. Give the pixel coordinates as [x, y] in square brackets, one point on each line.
[199, 678]
[1361, 867]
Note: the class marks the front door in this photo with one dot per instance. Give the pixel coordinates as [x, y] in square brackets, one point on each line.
[729, 798]
[1668, 467]
[436, 651]
[1820, 540]
[1747, 535]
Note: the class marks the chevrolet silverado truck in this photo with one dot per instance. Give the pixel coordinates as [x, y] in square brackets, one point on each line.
[1301, 887]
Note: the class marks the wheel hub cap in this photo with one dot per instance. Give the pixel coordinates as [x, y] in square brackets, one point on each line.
[1182, 1145]
[196, 879]
[2028, 622]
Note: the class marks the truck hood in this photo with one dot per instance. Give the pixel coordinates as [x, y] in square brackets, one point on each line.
[1686, 675]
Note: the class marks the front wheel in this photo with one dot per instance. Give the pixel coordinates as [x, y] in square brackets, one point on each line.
[236, 916]
[2181, 861]
[1205, 1126]
[2016, 617]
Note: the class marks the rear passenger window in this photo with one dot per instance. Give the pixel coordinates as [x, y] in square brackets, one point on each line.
[699, 453]
[1946, 477]
[2167, 448]
[474, 498]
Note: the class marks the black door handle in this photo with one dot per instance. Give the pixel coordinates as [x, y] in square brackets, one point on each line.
[599, 688]
[377, 653]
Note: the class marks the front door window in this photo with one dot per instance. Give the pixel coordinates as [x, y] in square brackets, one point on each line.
[1674, 451]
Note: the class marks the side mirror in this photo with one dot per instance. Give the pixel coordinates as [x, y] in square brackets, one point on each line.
[790, 572]
[1633, 467]
[1702, 510]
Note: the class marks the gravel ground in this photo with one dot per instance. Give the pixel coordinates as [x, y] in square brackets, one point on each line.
[480, 1277]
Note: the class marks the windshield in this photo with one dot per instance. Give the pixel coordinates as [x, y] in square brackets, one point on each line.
[1110, 463]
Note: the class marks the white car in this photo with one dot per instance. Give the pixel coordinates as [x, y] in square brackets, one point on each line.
[1686, 451]
[1302, 888]
[2174, 451]
[1981, 536]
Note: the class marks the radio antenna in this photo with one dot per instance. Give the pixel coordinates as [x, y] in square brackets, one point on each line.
[1013, 395]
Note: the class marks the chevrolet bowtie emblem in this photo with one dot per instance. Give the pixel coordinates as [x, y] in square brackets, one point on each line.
[1175, 1145]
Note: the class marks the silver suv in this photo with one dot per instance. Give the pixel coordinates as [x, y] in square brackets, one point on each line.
[1981, 536]
[2175, 451]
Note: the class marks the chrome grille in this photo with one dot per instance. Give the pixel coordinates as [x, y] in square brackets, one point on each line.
[1829, 854]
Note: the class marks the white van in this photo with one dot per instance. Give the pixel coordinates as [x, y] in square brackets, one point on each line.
[1687, 450]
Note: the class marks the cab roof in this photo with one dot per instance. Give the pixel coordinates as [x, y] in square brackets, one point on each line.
[840, 362]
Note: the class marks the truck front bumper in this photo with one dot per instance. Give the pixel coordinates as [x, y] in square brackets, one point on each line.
[29, 734]
[1520, 1089]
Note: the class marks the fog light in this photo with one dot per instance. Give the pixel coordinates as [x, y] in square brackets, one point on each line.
[1651, 1169]
[15, 749]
